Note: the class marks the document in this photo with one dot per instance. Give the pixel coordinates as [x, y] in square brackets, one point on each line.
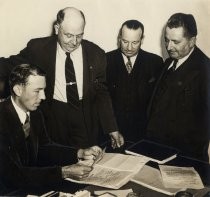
[155, 152]
[151, 178]
[113, 170]
[180, 177]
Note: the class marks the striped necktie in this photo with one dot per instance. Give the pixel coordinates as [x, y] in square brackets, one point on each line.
[26, 126]
[129, 65]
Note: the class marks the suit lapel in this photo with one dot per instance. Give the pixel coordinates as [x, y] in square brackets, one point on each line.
[167, 63]
[33, 138]
[18, 138]
[87, 69]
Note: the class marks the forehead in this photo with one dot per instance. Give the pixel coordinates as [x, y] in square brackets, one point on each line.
[71, 25]
[131, 34]
[36, 81]
[174, 33]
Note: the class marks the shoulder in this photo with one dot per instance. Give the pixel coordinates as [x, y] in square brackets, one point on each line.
[87, 45]
[42, 41]
[113, 54]
[149, 56]
[200, 56]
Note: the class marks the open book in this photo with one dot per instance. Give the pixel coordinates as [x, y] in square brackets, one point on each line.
[155, 152]
[151, 178]
[113, 170]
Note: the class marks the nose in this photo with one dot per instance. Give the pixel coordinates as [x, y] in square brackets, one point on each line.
[42, 95]
[74, 40]
[129, 46]
[169, 45]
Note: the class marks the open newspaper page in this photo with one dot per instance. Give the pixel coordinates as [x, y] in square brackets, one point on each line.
[114, 170]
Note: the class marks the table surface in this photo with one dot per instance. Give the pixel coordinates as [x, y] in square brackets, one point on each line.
[69, 187]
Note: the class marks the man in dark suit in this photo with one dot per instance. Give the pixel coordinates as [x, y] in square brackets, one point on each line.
[131, 75]
[77, 97]
[24, 145]
[179, 108]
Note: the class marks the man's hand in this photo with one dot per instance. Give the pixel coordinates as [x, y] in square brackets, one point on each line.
[76, 171]
[91, 153]
[117, 139]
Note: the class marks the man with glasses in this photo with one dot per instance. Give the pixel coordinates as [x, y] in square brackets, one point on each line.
[77, 99]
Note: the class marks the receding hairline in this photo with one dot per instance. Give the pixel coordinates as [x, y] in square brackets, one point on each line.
[71, 12]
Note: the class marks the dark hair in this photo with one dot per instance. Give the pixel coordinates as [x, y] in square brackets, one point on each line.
[21, 73]
[186, 21]
[132, 24]
[61, 14]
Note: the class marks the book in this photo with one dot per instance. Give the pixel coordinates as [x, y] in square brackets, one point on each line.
[113, 170]
[151, 178]
[155, 152]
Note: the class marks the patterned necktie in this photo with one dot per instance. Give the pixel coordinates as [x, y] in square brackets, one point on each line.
[71, 84]
[129, 65]
[26, 126]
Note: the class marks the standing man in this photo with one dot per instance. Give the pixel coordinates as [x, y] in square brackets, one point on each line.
[24, 145]
[179, 108]
[131, 75]
[76, 95]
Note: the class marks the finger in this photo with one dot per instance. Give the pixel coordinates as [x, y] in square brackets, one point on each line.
[113, 144]
[89, 157]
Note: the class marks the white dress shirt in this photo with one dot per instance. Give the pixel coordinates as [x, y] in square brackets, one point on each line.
[133, 59]
[181, 61]
[21, 114]
[60, 79]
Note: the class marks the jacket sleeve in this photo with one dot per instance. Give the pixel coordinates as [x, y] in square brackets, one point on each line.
[14, 174]
[103, 101]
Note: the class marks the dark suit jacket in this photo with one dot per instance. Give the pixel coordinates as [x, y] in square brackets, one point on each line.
[14, 170]
[96, 100]
[180, 117]
[130, 93]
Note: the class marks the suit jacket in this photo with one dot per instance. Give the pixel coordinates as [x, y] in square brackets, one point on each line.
[96, 101]
[19, 166]
[130, 93]
[179, 117]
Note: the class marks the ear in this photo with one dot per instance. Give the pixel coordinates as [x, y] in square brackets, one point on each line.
[142, 39]
[56, 27]
[192, 41]
[18, 90]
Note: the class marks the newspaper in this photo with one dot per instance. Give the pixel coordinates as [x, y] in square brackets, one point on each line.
[113, 170]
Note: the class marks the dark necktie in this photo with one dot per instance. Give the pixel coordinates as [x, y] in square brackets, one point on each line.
[173, 68]
[71, 84]
[26, 126]
[128, 65]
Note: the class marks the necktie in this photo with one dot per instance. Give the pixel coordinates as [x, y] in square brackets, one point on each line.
[129, 65]
[71, 85]
[174, 65]
[26, 126]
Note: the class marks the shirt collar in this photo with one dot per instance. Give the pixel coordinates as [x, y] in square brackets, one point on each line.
[20, 112]
[133, 58]
[62, 53]
[182, 60]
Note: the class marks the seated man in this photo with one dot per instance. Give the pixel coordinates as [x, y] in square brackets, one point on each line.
[24, 145]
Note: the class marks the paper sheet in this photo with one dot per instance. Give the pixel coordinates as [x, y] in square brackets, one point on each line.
[180, 177]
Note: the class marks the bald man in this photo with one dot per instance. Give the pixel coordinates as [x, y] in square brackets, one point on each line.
[77, 101]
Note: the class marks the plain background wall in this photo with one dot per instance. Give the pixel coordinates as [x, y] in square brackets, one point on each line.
[22, 20]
